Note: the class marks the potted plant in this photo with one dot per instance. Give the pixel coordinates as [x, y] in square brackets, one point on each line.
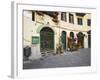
[59, 48]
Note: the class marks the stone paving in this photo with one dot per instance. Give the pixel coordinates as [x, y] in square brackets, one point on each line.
[78, 58]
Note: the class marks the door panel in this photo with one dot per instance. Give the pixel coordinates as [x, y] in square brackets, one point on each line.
[63, 39]
[47, 39]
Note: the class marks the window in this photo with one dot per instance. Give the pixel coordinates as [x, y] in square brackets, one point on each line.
[63, 16]
[89, 22]
[71, 18]
[33, 16]
[79, 21]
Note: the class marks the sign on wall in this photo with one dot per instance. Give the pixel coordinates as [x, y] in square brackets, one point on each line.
[35, 40]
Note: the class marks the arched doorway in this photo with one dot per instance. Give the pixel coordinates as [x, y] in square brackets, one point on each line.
[71, 35]
[89, 39]
[63, 39]
[71, 41]
[46, 39]
[80, 37]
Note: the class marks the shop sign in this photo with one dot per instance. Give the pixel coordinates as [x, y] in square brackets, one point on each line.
[35, 40]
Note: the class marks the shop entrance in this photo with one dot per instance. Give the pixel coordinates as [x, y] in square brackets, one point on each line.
[63, 39]
[80, 36]
[46, 39]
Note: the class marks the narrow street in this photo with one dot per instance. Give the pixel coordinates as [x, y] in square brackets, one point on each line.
[78, 58]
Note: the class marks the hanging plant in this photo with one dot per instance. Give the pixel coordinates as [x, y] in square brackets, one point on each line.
[55, 20]
[80, 34]
[55, 14]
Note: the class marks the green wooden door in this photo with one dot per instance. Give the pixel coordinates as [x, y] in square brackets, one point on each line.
[63, 39]
[46, 39]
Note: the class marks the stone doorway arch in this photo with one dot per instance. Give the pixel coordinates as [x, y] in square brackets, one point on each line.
[46, 39]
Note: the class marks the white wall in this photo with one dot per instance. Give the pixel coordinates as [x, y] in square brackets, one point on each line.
[5, 40]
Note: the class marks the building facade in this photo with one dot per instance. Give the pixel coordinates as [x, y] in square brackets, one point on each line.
[46, 30]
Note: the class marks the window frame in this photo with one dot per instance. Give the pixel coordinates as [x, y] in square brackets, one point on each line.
[71, 18]
[88, 22]
[79, 21]
[63, 16]
[33, 15]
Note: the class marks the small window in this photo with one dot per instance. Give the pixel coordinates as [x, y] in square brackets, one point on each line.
[89, 22]
[63, 16]
[33, 16]
[79, 21]
[71, 18]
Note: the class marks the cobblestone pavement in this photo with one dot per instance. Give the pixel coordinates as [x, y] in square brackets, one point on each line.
[78, 58]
